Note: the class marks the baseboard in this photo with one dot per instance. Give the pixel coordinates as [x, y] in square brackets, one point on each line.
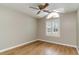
[58, 43]
[3, 50]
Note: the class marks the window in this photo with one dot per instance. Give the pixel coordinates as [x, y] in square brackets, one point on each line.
[53, 27]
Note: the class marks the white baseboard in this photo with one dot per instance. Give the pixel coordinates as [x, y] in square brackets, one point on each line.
[16, 46]
[58, 43]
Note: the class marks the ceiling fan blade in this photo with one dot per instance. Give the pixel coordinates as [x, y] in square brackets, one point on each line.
[38, 12]
[46, 5]
[43, 6]
[46, 11]
[34, 8]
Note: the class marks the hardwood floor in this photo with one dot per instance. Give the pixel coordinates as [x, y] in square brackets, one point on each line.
[41, 48]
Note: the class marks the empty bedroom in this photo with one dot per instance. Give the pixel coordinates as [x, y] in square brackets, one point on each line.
[39, 28]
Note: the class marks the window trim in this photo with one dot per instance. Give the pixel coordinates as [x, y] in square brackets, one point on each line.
[56, 34]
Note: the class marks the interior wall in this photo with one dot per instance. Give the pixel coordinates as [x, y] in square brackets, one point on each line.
[67, 29]
[15, 28]
[78, 30]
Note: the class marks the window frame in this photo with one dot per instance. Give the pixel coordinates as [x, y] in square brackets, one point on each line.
[52, 32]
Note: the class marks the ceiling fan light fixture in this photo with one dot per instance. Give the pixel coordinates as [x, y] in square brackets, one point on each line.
[53, 14]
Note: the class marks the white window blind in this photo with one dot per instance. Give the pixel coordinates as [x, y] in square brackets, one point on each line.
[53, 27]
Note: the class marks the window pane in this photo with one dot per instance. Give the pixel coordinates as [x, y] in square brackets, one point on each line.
[48, 28]
[53, 27]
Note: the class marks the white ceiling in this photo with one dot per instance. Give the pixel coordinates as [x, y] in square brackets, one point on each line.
[24, 7]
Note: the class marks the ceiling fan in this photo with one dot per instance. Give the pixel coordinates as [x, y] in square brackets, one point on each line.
[42, 7]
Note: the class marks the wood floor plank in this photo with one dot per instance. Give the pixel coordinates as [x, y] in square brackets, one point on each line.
[41, 48]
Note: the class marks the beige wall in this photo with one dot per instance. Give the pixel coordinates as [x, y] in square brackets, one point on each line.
[67, 30]
[78, 30]
[15, 28]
